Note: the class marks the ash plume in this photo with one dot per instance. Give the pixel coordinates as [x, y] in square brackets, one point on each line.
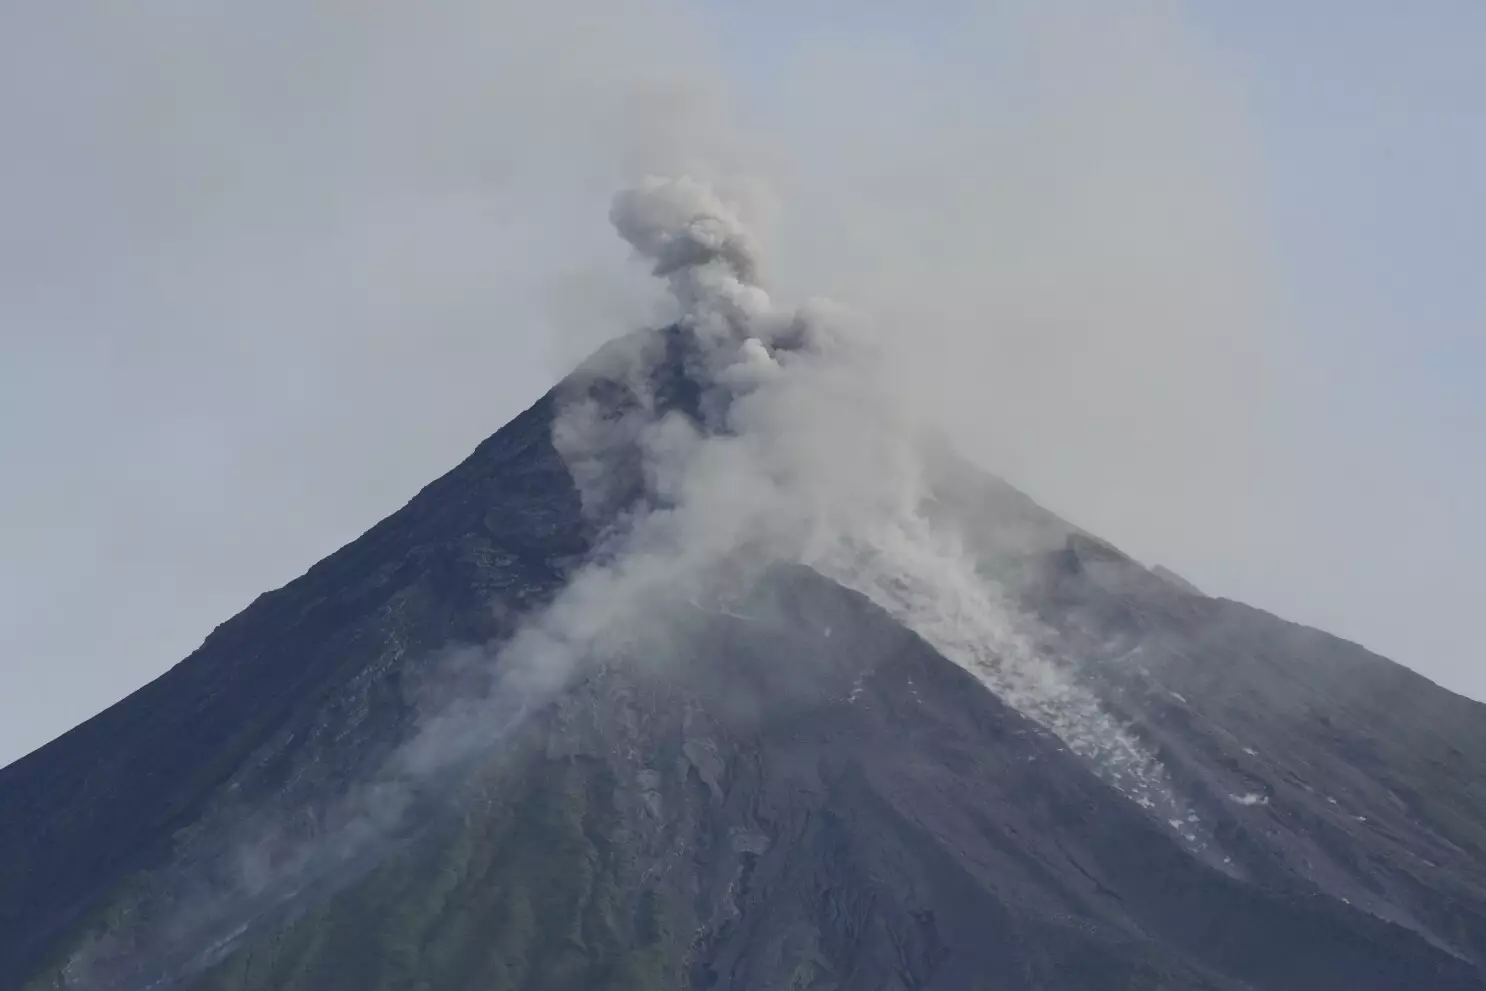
[689, 232]
[808, 457]
[796, 451]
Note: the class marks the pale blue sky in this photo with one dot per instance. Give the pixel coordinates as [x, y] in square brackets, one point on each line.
[1368, 124]
[1373, 122]
[266, 269]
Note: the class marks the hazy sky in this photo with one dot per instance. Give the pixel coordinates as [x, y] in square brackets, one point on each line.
[1207, 276]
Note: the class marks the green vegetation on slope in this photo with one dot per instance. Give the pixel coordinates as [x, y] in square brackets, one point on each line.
[507, 898]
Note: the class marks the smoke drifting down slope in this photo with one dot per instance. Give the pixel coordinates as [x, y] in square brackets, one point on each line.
[801, 453]
[723, 605]
[749, 435]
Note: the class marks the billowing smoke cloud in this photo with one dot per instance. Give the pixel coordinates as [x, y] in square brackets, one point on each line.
[1055, 208]
[797, 451]
[809, 457]
[699, 244]
[817, 461]
[806, 446]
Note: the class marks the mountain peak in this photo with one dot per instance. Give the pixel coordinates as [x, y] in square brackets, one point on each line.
[715, 670]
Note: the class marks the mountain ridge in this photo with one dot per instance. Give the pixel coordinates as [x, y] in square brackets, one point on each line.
[314, 686]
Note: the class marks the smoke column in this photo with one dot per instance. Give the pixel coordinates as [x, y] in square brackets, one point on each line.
[809, 458]
[797, 451]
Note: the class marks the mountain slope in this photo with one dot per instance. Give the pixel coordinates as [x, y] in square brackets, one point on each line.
[790, 789]
[791, 808]
[307, 677]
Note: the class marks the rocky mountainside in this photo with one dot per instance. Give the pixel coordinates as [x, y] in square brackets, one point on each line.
[793, 787]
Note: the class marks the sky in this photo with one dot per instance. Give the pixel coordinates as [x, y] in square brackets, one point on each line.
[1197, 276]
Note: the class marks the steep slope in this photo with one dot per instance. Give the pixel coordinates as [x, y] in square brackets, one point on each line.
[708, 671]
[305, 686]
[811, 798]
[1344, 771]
[797, 792]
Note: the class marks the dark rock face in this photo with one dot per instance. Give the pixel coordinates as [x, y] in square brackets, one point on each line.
[800, 793]
[306, 680]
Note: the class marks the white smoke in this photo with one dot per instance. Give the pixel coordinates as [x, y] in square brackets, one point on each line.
[700, 245]
[814, 461]
[815, 458]
[805, 455]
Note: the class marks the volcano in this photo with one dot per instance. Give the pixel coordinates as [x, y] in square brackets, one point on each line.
[1030, 763]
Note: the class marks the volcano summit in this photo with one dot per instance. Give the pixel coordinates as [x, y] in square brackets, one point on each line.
[718, 669]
